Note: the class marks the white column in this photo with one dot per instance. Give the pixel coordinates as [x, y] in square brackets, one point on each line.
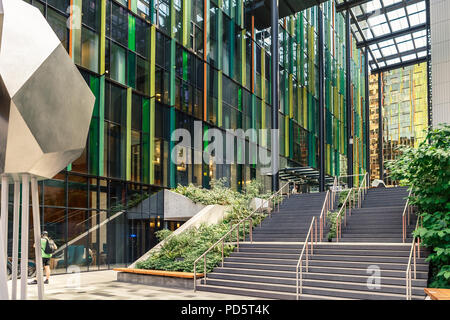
[37, 236]
[440, 60]
[4, 213]
[25, 230]
[15, 248]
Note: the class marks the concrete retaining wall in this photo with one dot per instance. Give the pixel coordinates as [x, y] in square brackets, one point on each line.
[159, 281]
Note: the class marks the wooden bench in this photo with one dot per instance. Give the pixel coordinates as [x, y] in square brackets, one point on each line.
[162, 273]
[438, 294]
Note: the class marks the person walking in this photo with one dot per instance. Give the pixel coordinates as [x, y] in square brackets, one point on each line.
[46, 247]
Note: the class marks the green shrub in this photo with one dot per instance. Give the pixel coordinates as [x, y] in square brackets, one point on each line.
[331, 222]
[179, 252]
[427, 170]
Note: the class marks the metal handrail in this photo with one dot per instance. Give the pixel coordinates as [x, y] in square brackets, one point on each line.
[362, 190]
[338, 217]
[406, 209]
[351, 175]
[333, 191]
[322, 218]
[310, 235]
[412, 255]
[351, 194]
[237, 226]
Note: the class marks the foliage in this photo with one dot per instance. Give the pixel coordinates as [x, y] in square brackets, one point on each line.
[163, 234]
[132, 202]
[342, 195]
[179, 252]
[331, 220]
[427, 170]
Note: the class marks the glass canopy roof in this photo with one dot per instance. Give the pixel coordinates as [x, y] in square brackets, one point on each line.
[394, 30]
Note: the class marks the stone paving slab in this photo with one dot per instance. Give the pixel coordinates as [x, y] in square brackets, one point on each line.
[102, 285]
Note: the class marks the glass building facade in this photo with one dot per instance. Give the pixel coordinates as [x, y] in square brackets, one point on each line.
[404, 112]
[158, 65]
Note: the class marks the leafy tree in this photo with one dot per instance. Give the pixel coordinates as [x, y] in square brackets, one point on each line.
[427, 170]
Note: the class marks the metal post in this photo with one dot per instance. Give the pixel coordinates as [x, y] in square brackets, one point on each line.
[321, 102]
[367, 102]
[275, 88]
[4, 295]
[15, 248]
[429, 66]
[37, 236]
[4, 215]
[380, 125]
[204, 270]
[222, 253]
[348, 100]
[315, 231]
[24, 239]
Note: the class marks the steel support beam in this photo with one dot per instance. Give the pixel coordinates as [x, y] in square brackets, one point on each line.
[384, 10]
[429, 67]
[392, 35]
[402, 54]
[349, 4]
[321, 103]
[275, 86]
[399, 65]
[366, 86]
[380, 124]
[348, 100]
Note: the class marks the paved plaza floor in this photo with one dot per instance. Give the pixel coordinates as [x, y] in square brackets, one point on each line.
[102, 285]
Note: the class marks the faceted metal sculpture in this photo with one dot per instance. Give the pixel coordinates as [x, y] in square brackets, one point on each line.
[45, 113]
[45, 104]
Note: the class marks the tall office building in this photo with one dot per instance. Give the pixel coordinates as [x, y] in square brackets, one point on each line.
[159, 65]
[404, 114]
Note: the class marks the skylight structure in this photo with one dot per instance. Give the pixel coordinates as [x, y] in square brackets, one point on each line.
[394, 30]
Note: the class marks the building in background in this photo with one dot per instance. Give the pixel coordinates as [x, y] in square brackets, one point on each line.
[404, 102]
[155, 66]
[374, 116]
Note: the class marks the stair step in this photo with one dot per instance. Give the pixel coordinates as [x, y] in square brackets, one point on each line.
[261, 294]
[337, 263]
[362, 278]
[354, 294]
[323, 269]
[346, 285]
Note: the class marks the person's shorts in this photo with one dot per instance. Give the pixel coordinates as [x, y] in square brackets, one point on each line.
[46, 261]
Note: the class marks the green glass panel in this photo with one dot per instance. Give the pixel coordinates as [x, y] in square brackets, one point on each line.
[131, 32]
[131, 69]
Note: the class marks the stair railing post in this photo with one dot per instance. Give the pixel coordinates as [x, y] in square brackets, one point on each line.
[301, 277]
[414, 258]
[418, 246]
[237, 237]
[222, 253]
[250, 230]
[306, 254]
[195, 276]
[204, 269]
[296, 281]
[315, 232]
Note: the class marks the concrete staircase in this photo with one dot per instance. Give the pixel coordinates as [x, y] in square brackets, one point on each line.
[336, 271]
[380, 218]
[291, 223]
[266, 268]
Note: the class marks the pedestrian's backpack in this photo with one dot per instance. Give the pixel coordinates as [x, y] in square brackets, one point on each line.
[50, 246]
